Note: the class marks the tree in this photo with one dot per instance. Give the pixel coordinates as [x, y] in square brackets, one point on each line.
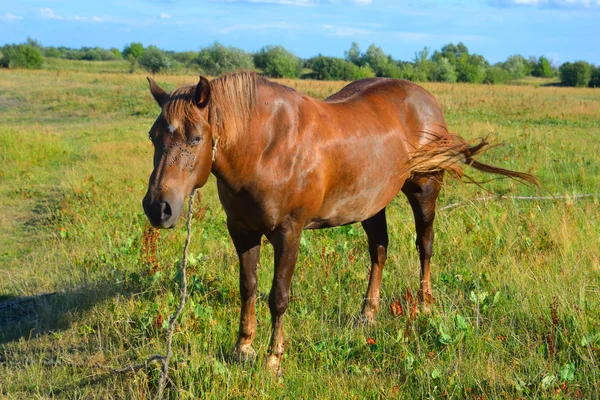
[338, 69]
[496, 75]
[21, 56]
[517, 66]
[353, 54]
[444, 71]
[154, 60]
[423, 67]
[277, 62]
[134, 50]
[595, 79]
[116, 52]
[576, 74]
[452, 52]
[52, 52]
[375, 58]
[218, 59]
[471, 68]
[542, 68]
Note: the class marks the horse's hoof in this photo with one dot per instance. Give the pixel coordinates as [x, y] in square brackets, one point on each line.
[274, 365]
[244, 354]
[426, 309]
[426, 300]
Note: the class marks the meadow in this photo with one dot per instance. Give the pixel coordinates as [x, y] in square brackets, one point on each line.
[86, 284]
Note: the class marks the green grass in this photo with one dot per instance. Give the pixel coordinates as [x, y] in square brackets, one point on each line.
[75, 163]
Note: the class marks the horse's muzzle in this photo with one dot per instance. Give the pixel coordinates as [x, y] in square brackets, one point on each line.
[161, 213]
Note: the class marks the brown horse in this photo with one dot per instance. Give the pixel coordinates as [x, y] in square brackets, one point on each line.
[285, 162]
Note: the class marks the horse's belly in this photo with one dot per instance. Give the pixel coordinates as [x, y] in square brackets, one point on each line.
[358, 202]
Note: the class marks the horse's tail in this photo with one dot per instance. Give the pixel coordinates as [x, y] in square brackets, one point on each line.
[450, 152]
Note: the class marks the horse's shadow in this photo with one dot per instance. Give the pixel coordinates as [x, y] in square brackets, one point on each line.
[30, 316]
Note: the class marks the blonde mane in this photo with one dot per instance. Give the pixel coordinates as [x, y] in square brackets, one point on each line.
[230, 107]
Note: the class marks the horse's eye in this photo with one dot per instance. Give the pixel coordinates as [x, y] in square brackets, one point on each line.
[195, 140]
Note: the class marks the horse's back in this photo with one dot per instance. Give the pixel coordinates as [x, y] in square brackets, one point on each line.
[415, 109]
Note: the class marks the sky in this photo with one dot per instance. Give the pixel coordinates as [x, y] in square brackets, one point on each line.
[562, 30]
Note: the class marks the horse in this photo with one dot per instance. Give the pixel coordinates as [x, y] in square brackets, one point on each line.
[285, 162]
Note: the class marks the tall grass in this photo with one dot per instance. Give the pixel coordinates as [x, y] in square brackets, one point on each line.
[516, 283]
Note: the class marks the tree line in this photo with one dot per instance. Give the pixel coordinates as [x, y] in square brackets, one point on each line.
[452, 63]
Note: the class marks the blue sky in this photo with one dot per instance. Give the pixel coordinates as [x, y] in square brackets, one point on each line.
[563, 30]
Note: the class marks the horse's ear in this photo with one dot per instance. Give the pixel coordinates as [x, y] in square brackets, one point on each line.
[157, 92]
[202, 94]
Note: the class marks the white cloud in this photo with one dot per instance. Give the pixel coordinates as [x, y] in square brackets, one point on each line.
[164, 16]
[10, 17]
[363, 2]
[48, 13]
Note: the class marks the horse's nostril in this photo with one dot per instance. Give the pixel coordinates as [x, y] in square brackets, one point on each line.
[166, 209]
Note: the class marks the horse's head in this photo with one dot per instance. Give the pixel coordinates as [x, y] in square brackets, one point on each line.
[183, 150]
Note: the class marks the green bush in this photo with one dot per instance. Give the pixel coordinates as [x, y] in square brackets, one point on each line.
[376, 58]
[496, 75]
[353, 54]
[52, 52]
[134, 50]
[116, 53]
[451, 52]
[576, 74]
[517, 66]
[595, 79]
[154, 60]
[444, 71]
[399, 71]
[277, 62]
[471, 68]
[187, 58]
[21, 56]
[218, 59]
[543, 68]
[338, 69]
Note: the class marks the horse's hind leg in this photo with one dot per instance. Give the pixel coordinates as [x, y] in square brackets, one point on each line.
[422, 192]
[376, 229]
[247, 246]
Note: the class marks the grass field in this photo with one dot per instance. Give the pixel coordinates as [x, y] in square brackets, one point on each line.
[516, 282]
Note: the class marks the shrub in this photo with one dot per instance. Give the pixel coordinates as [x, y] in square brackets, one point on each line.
[278, 62]
[134, 50]
[595, 79]
[543, 68]
[338, 69]
[187, 58]
[116, 53]
[218, 59]
[444, 71]
[517, 66]
[496, 75]
[353, 54]
[21, 56]
[577, 74]
[52, 52]
[392, 70]
[471, 68]
[375, 58]
[154, 60]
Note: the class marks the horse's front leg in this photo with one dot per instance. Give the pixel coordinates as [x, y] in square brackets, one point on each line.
[247, 245]
[286, 241]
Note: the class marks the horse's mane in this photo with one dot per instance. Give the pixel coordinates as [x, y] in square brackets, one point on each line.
[230, 107]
